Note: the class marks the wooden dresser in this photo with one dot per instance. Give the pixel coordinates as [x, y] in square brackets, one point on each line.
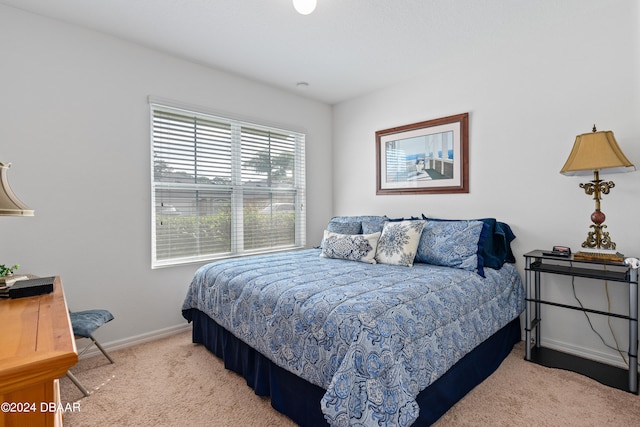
[36, 348]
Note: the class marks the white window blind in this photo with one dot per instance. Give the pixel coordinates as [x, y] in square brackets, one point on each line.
[223, 187]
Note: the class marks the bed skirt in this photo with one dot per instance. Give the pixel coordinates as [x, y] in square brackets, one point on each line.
[300, 400]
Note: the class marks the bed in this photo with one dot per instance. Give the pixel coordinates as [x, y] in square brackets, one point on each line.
[387, 323]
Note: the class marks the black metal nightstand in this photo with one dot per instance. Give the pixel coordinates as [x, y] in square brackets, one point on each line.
[538, 262]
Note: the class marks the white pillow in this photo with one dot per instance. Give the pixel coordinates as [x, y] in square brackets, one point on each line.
[354, 247]
[399, 242]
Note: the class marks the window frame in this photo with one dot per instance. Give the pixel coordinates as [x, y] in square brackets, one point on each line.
[236, 188]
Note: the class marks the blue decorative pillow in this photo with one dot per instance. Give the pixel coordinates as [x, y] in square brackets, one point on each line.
[497, 245]
[450, 244]
[398, 242]
[356, 247]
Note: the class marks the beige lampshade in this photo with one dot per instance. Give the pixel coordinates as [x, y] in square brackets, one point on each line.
[596, 151]
[10, 205]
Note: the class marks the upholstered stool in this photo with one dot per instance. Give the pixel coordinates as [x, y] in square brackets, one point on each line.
[84, 324]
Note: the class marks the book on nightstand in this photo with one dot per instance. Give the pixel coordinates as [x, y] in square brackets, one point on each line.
[599, 256]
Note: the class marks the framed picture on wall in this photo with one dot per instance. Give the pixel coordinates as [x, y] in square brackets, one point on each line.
[425, 157]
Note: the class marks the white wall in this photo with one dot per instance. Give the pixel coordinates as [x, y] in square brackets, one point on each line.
[529, 89]
[74, 121]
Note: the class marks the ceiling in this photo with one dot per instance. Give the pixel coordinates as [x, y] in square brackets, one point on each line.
[344, 49]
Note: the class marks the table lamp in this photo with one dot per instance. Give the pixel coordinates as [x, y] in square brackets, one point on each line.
[10, 205]
[594, 152]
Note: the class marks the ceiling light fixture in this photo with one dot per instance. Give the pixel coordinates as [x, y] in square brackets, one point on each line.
[305, 7]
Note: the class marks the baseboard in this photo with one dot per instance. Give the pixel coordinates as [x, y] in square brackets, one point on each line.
[587, 353]
[131, 341]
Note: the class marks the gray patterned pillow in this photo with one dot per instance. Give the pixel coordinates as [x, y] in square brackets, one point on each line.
[373, 224]
[344, 227]
[398, 242]
[359, 224]
[356, 247]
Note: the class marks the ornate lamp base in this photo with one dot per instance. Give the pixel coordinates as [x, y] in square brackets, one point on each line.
[598, 238]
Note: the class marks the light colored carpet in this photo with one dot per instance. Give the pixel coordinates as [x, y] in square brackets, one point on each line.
[172, 382]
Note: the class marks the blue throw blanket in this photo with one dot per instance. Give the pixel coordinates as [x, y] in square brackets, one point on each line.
[372, 335]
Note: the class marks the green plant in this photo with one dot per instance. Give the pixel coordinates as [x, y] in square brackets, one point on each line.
[6, 271]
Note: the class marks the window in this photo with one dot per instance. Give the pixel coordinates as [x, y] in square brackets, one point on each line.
[223, 187]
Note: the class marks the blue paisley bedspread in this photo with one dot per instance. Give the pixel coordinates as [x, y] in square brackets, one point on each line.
[372, 335]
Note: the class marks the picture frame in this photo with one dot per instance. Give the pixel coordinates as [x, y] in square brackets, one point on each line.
[429, 157]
